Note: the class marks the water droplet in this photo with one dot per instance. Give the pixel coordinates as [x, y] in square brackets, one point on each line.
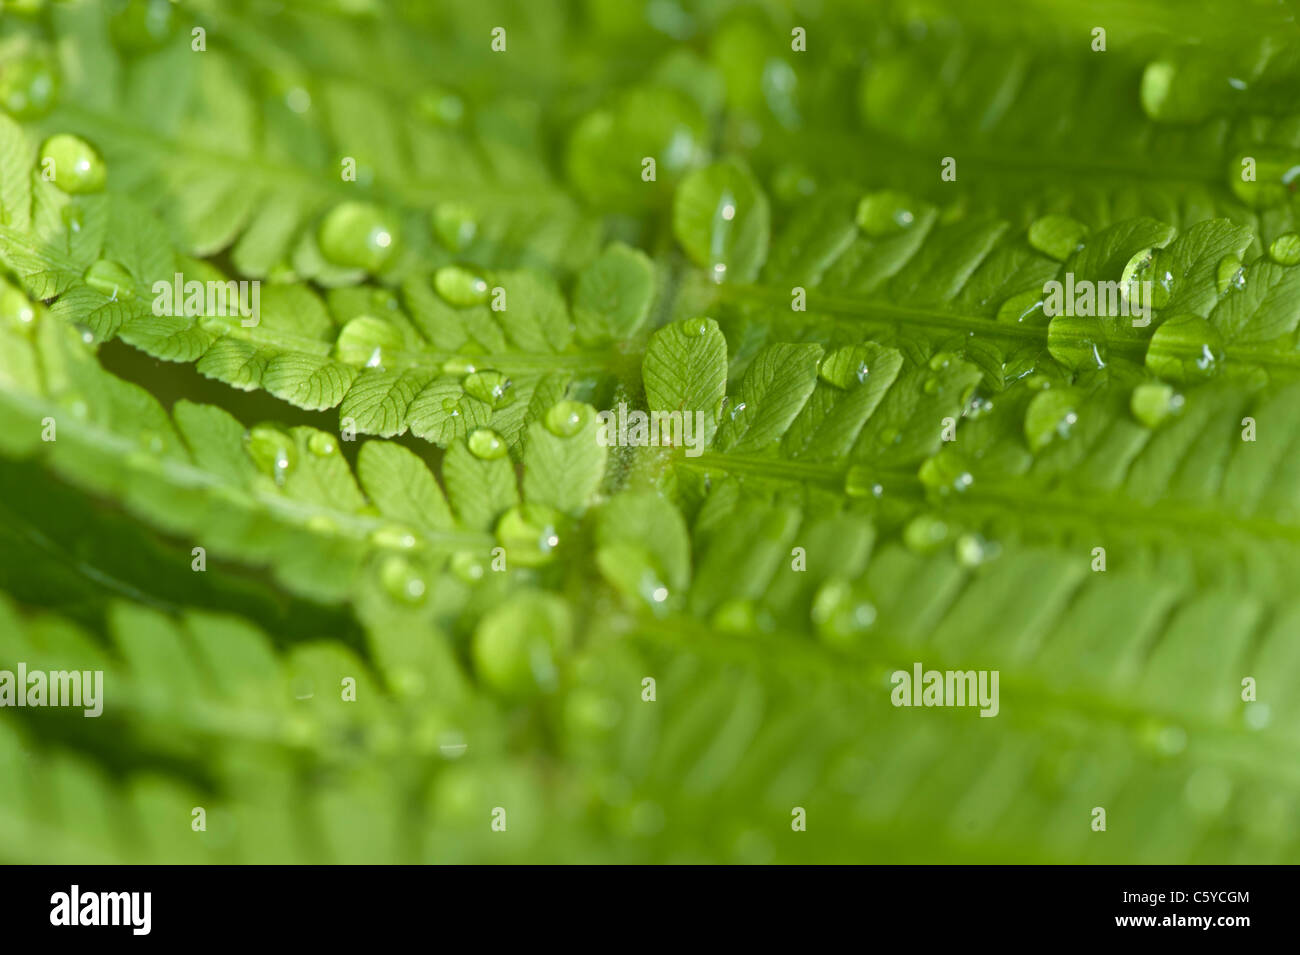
[451, 406]
[459, 366]
[882, 214]
[1285, 249]
[1058, 237]
[490, 387]
[1276, 172]
[1185, 348]
[737, 411]
[322, 445]
[931, 385]
[945, 472]
[15, 307]
[358, 235]
[1153, 402]
[487, 444]
[695, 327]
[367, 341]
[890, 436]
[860, 481]
[925, 533]
[461, 286]
[566, 419]
[452, 745]
[1077, 342]
[401, 580]
[1024, 309]
[976, 406]
[973, 550]
[1231, 275]
[530, 534]
[273, 451]
[77, 166]
[840, 615]
[455, 224]
[394, 537]
[844, 367]
[111, 280]
[29, 84]
[468, 566]
[1051, 415]
[85, 332]
[1135, 273]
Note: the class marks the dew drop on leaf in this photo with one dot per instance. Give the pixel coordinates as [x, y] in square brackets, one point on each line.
[843, 368]
[487, 444]
[455, 224]
[1154, 402]
[1185, 348]
[394, 537]
[695, 327]
[490, 387]
[529, 533]
[1051, 414]
[458, 366]
[358, 235]
[401, 580]
[925, 533]
[111, 280]
[1078, 342]
[78, 167]
[1285, 249]
[1024, 309]
[1276, 172]
[273, 451]
[29, 84]
[468, 566]
[838, 615]
[882, 214]
[15, 307]
[461, 286]
[973, 550]
[566, 419]
[322, 445]
[1231, 275]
